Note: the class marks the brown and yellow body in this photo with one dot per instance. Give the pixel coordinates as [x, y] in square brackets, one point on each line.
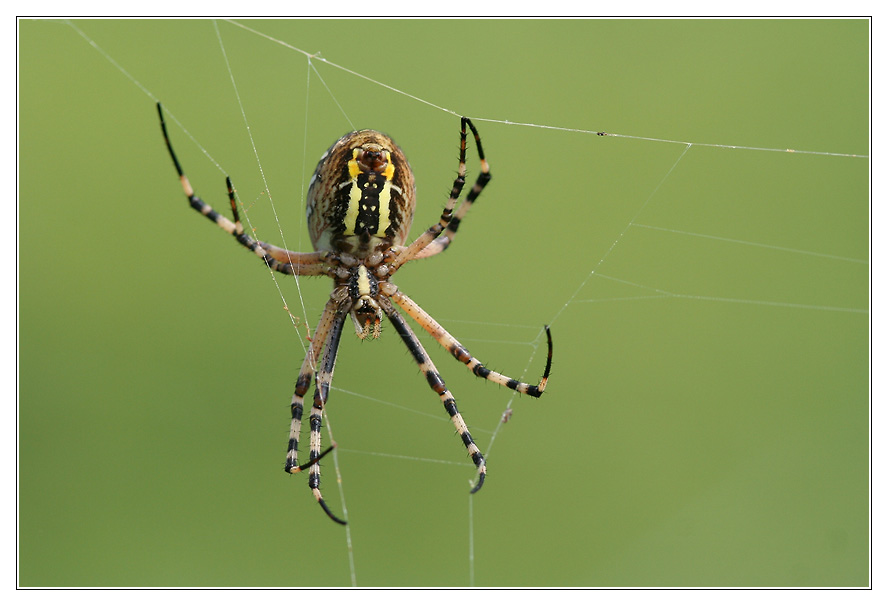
[362, 196]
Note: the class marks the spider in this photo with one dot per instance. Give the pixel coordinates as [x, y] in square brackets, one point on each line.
[359, 208]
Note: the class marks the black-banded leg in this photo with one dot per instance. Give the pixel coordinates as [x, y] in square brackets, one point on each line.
[323, 379]
[437, 384]
[440, 244]
[431, 238]
[303, 382]
[462, 354]
[277, 259]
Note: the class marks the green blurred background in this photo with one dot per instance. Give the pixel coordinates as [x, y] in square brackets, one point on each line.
[707, 417]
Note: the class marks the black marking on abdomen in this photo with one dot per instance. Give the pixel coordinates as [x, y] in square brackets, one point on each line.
[367, 221]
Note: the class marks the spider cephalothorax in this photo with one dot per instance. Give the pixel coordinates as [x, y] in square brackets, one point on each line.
[360, 207]
[363, 290]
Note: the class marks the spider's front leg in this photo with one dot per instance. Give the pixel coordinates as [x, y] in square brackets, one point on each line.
[323, 379]
[437, 384]
[303, 382]
[324, 346]
[458, 351]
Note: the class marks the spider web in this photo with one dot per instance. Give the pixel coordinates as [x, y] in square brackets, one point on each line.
[634, 248]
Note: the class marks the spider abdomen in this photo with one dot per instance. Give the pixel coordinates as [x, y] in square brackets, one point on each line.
[362, 196]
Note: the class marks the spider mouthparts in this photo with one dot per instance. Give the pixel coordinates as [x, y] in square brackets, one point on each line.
[367, 322]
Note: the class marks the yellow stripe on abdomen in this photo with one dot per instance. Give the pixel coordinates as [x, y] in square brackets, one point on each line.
[354, 205]
[385, 199]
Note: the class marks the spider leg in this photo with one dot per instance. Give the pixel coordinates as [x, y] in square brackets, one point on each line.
[322, 388]
[440, 244]
[277, 259]
[431, 238]
[303, 382]
[458, 351]
[437, 384]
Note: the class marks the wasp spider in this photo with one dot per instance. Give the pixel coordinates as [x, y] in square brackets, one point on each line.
[360, 207]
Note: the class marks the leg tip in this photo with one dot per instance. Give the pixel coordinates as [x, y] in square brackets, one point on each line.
[480, 483]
